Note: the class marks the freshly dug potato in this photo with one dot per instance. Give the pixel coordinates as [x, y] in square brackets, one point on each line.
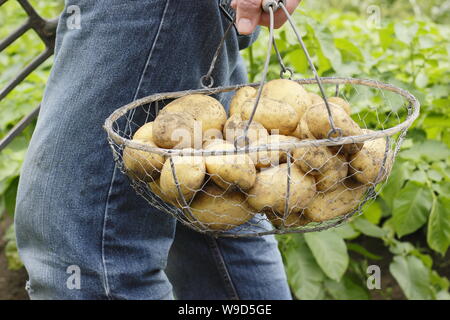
[205, 109]
[264, 159]
[155, 187]
[211, 141]
[328, 205]
[269, 191]
[217, 209]
[142, 165]
[314, 160]
[315, 98]
[329, 179]
[365, 165]
[319, 125]
[235, 126]
[174, 130]
[145, 132]
[341, 103]
[272, 114]
[302, 131]
[227, 171]
[293, 220]
[239, 98]
[287, 91]
[190, 172]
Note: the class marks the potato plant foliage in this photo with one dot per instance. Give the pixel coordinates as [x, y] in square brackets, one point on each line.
[411, 51]
[406, 45]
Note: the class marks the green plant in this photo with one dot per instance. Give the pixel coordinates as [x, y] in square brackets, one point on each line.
[414, 205]
[406, 50]
[21, 101]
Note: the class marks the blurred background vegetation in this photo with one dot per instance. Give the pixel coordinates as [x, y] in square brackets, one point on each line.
[406, 231]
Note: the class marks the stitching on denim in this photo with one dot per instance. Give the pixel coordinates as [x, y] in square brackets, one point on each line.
[105, 215]
[150, 54]
[220, 262]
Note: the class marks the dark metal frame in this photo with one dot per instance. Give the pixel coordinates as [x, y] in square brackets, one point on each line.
[46, 30]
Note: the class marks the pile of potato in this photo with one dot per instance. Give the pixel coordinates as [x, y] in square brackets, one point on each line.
[224, 191]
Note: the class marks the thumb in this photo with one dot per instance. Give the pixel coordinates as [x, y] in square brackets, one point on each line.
[248, 13]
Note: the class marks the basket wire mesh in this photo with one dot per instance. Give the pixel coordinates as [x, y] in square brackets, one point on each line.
[300, 184]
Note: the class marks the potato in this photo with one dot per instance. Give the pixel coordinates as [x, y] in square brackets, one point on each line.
[328, 169]
[155, 187]
[190, 172]
[365, 165]
[239, 98]
[217, 209]
[343, 200]
[227, 171]
[293, 220]
[272, 114]
[145, 132]
[235, 126]
[314, 160]
[142, 165]
[341, 103]
[287, 91]
[264, 159]
[269, 191]
[205, 109]
[302, 131]
[315, 98]
[329, 179]
[211, 141]
[319, 125]
[174, 130]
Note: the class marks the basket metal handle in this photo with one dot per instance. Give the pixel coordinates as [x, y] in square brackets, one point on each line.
[270, 7]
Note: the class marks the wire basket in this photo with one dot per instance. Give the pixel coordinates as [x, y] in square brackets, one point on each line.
[255, 181]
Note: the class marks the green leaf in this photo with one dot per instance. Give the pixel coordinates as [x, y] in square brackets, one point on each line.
[346, 231]
[438, 233]
[325, 41]
[351, 49]
[430, 150]
[411, 208]
[362, 251]
[347, 289]
[330, 252]
[443, 295]
[419, 176]
[297, 59]
[11, 253]
[304, 275]
[413, 277]
[368, 228]
[373, 212]
[401, 248]
[10, 196]
[404, 32]
[395, 183]
[442, 188]
[434, 175]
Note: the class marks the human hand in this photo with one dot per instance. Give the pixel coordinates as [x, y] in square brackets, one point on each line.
[249, 14]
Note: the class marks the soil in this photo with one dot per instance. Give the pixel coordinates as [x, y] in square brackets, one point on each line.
[12, 283]
[390, 290]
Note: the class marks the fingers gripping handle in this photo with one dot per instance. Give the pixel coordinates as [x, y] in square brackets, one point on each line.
[266, 4]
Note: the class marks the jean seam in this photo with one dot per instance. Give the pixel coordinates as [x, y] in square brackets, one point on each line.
[150, 54]
[105, 215]
[222, 267]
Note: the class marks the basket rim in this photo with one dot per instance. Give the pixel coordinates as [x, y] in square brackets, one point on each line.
[413, 106]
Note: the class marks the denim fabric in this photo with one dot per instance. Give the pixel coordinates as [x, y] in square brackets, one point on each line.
[82, 231]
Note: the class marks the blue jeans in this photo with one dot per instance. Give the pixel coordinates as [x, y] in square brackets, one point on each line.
[82, 231]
